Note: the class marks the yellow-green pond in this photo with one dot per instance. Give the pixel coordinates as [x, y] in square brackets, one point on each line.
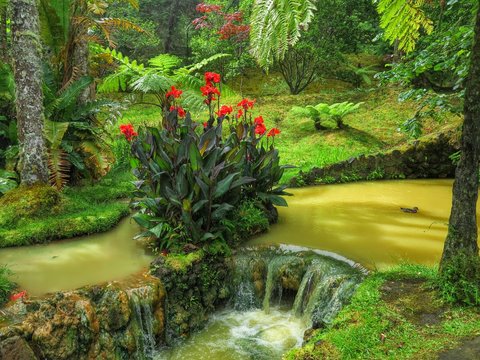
[361, 221]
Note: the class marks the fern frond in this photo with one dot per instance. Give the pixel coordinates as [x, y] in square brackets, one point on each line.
[98, 160]
[152, 82]
[59, 167]
[276, 25]
[54, 132]
[403, 20]
[165, 62]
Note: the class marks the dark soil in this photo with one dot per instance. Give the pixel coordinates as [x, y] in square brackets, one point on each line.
[414, 300]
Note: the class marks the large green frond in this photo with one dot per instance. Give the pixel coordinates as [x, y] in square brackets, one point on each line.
[276, 25]
[403, 21]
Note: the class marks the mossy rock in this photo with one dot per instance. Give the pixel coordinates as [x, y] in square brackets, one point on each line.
[27, 202]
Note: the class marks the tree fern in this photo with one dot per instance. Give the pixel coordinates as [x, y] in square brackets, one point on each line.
[276, 25]
[403, 21]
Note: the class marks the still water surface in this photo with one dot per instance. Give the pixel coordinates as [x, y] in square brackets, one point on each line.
[363, 221]
[70, 264]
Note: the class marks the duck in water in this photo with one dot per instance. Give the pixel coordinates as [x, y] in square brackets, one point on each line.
[413, 210]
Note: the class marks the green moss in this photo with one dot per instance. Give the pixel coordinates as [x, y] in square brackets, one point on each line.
[181, 262]
[38, 215]
[394, 314]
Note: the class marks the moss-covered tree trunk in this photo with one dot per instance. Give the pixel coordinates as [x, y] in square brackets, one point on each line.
[3, 33]
[26, 56]
[462, 230]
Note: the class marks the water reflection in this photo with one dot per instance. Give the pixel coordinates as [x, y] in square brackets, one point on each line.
[363, 221]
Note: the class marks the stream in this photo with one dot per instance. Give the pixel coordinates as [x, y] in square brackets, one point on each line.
[361, 222]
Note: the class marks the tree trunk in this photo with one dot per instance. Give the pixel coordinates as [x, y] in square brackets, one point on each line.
[172, 22]
[27, 67]
[3, 34]
[80, 63]
[462, 229]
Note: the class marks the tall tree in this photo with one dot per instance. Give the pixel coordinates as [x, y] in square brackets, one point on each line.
[26, 54]
[3, 31]
[462, 230]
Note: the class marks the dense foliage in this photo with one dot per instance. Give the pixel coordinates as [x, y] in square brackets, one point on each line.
[191, 179]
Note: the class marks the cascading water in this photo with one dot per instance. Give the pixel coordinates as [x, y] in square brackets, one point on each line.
[142, 313]
[277, 295]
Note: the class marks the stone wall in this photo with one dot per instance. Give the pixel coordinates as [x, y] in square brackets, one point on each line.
[98, 322]
[428, 157]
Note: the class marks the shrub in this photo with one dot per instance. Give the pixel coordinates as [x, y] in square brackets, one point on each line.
[249, 219]
[190, 180]
[6, 285]
[459, 280]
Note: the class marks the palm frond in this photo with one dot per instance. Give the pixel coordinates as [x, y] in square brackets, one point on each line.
[403, 21]
[54, 131]
[276, 25]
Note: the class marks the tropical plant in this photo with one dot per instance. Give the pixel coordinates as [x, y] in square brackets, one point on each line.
[276, 25]
[77, 142]
[191, 180]
[336, 112]
[8, 181]
[162, 72]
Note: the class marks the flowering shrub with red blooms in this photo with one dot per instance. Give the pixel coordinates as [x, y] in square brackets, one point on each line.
[232, 27]
[192, 180]
[174, 92]
[208, 8]
[273, 132]
[211, 77]
[128, 131]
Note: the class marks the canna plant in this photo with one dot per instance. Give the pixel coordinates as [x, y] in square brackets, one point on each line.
[336, 112]
[192, 175]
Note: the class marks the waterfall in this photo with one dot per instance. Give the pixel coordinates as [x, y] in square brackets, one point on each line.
[321, 285]
[142, 314]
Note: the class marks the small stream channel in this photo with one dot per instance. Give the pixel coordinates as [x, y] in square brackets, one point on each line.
[278, 294]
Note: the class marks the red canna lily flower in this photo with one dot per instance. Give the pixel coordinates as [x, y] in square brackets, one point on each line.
[180, 111]
[209, 90]
[273, 132]
[239, 113]
[211, 77]
[224, 110]
[260, 129]
[19, 295]
[247, 104]
[205, 124]
[174, 92]
[258, 120]
[128, 131]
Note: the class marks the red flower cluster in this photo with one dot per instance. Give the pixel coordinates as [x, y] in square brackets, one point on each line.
[180, 111]
[209, 91]
[208, 8]
[260, 127]
[273, 132]
[230, 30]
[211, 77]
[225, 110]
[128, 131]
[174, 92]
[19, 295]
[201, 23]
[246, 104]
[232, 27]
